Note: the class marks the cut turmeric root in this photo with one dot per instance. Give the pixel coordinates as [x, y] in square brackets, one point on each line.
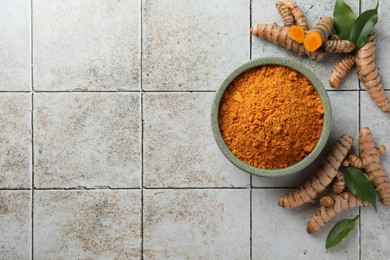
[339, 46]
[319, 34]
[308, 192]
[296, 33]
[374, 169]
[279, 36]
[369, 74]
[331, 208]
[285, 13]
[298, 15]
[341, 69]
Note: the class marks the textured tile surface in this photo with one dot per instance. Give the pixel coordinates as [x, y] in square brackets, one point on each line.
[15, 224]
[15, 69]
[265, 12]
[375, 233]
[193, 203]
[87, 140]
[279, 233]
[198, 43]
[196, 224]
[15, 140]
[86, 45]
[179, 149]
[87, 224]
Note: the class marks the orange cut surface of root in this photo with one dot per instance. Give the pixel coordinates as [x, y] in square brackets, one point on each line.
[312, 41]
[296, 33]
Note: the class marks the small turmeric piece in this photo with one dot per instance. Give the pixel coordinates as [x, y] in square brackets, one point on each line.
[339, 46]
[355, 161]
[298, 15]
[374, 169]
[369, 74]
[324, 214]
[285, 13]
[341, 69]
[296, 33]
[381, 149]
[326, 201]
[309, 191]
[279, 36]
[338, 184]
[319, 34]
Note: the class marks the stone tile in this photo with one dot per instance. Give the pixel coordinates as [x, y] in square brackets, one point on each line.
[279, 233]
[15, 140]
[179, 149]
[345, 111]
[15, 224]
[87, 139]
[87, 224]
[15, 68]
[266, 13]
[196, 224]
[382, 29]
[86, 45]
[191, 45]
[375, 237]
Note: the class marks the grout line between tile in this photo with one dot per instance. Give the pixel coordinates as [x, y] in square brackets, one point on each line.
[14, 91]
[142, 123]
[83, 188]
[32, 176]
[32, 124]
[359, 127]
[112, 91]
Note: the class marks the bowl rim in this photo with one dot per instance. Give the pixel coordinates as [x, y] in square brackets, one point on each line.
[325, 132]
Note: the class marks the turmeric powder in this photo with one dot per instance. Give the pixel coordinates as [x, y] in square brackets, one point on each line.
[271, 117]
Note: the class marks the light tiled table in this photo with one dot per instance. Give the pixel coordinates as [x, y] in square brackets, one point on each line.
[106, 149]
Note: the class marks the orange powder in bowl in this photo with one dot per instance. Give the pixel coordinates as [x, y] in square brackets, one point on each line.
[271, 117]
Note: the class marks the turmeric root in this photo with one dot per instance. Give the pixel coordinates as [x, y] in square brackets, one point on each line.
[381, 149]
[319, 34]
[298, 15]
[326, 201]
[321, 179]
[334, 36]
[369, 74]
[338, 184]
[345, 163]
[324, 214]
[279, 36]
[340, 70]
[374, 169]
[285, 13]
[296, 33]
[339, 46]
[355, 161]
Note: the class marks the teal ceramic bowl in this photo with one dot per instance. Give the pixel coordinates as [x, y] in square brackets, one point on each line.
[293, 168]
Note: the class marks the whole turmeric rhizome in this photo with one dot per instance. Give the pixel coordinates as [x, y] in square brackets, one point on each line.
[271, 117]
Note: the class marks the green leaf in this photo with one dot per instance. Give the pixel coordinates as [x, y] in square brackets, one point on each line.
[340, 231]
[358, 184]
[343, 18]
[363, 26]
